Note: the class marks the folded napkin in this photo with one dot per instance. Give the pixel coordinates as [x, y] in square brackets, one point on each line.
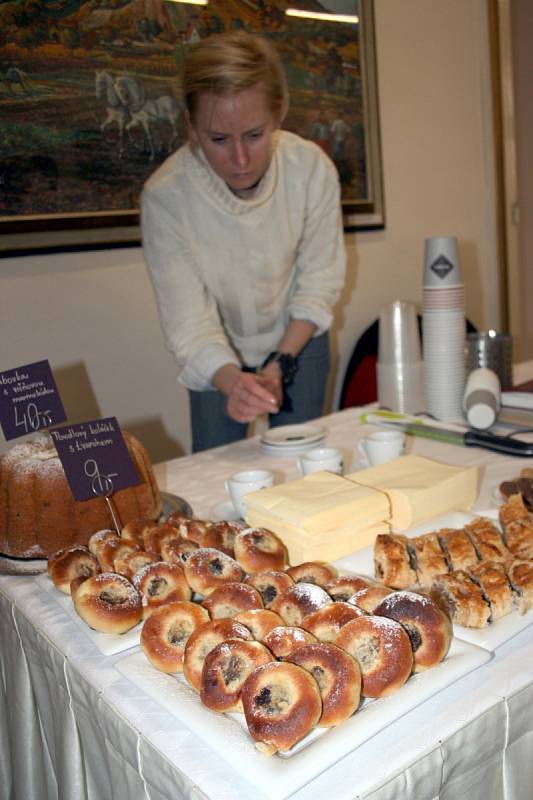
[321, 516]
[420, 488]
[325, 516]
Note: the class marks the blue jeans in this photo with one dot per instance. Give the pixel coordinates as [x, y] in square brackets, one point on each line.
[211, 426]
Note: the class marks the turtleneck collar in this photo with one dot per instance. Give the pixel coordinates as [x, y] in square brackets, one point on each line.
[219, 193]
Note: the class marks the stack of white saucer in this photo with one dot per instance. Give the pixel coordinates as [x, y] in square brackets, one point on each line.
[443, 329]
[291, 440]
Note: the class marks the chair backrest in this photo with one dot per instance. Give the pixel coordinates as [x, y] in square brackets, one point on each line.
[360, 383]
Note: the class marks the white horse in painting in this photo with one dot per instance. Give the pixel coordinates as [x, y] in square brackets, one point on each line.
[148, 111]
[117, 112]
[16, 77]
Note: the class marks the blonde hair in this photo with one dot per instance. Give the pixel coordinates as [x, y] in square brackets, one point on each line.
[227, 63]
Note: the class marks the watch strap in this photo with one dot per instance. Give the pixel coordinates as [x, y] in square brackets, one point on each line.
[288, 364]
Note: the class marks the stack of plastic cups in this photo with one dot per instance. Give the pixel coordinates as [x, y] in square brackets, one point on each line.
[399, 366]
[443, 329]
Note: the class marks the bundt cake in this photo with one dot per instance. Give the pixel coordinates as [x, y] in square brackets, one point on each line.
[38, 514]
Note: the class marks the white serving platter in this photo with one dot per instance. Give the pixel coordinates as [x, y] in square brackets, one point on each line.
[107, 643]
[491, 636]
[280, 776]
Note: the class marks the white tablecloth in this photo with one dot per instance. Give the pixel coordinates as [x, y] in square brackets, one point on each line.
[71, 726]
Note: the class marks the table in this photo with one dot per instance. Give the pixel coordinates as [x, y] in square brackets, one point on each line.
[71, 726]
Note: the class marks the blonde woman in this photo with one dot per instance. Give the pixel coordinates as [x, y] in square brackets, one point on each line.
[242, 235]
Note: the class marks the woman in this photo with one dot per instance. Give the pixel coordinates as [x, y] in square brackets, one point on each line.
[242, 235]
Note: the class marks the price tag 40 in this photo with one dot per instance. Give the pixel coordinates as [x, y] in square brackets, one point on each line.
[29, 400]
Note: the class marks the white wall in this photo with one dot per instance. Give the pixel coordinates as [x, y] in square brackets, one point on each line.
[93, 314]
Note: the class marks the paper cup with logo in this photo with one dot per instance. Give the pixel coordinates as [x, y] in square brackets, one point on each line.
[441, 262]
[321, 458]
[242, 483]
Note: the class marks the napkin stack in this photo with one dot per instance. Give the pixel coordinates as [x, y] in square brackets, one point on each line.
[325, 516]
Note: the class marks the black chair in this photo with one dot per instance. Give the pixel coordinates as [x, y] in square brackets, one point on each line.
[360, 383]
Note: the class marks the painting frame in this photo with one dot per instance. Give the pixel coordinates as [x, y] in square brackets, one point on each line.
[69, 231]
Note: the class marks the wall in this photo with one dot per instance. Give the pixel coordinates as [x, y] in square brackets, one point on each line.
[522, 33]
[93, 314]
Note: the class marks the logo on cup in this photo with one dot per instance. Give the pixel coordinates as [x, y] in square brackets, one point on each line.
[441, 266]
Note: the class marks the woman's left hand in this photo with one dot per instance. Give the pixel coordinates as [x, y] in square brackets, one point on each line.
[272, 380]
[248, 395]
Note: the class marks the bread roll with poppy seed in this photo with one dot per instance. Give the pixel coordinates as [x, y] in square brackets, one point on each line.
[429, 628]
[383, 651]
[338, 677]
[282, 704]
[225, 670]
[232, 598]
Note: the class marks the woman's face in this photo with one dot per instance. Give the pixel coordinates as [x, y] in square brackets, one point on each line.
[235, 133]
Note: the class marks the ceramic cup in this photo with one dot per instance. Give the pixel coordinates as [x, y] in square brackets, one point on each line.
[242, 483]
[321, 458]
[382, 446]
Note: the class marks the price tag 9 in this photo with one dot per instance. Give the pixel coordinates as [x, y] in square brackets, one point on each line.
[95, 458]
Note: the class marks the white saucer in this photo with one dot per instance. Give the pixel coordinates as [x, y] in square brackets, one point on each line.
[290, 436]
[294, 450]
[224, 512]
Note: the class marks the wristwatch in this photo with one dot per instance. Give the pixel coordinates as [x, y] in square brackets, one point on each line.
[287, 363]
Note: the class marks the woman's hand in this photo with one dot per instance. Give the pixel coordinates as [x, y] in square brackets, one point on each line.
[248, 395]
[272, 379]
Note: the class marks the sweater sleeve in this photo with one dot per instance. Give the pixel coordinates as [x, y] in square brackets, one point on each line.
[189, 316]
[321, 256]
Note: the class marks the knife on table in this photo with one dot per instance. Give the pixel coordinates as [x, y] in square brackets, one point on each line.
[469, 438]
[489, 441]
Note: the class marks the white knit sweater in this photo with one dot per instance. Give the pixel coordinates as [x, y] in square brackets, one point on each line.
[228, 273]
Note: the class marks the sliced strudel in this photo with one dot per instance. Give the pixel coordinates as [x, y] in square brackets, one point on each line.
[428, 558]
[521, 578]
[392, 562]
[494, 583]
[462, 599]
[487, 540]
[459, 550]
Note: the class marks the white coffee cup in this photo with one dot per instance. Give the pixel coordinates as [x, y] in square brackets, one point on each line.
[242, 483]
[382, 446]
[321, 458]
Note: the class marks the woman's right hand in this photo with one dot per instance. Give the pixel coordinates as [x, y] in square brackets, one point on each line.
[248, 395]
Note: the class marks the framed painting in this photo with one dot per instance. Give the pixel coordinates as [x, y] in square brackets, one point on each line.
[90, 106]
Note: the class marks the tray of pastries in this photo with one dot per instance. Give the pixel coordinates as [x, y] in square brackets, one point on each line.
[282, 669]
[478, 568]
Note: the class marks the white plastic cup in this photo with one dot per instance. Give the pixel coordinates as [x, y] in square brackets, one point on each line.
[400, 387]
[382, 446]
[481, 402]
[242, 483]
[319, 459]
[399, 335]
